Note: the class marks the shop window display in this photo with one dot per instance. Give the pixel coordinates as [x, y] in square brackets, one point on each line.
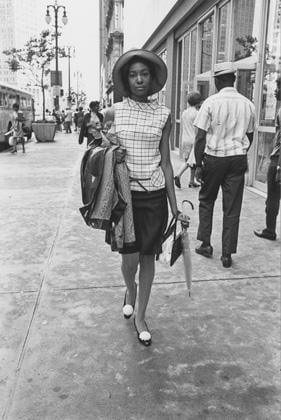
[269, 103]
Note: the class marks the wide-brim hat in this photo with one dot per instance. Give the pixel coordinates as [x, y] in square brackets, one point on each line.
[157, 63]
[224, 68]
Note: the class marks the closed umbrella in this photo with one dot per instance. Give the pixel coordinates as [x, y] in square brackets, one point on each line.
[186, 255]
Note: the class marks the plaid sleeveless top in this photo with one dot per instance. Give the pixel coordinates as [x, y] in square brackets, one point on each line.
[138, 127]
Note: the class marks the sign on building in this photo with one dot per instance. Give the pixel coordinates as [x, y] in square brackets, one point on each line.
[54, 80]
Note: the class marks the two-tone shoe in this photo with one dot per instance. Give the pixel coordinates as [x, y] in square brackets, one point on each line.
[194, 184]
[128, 310]
[144, 337]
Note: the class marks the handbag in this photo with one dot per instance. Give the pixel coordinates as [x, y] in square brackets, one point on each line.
[176, 248]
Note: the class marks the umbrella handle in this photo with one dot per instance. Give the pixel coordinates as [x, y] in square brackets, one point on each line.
[183, 217]
[184, 206]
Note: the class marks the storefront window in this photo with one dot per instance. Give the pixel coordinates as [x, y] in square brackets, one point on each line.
[204, 88]
[179, 79]
[179, 93]
[193, 40]
[272, 64]
[162, 94]
[207, 30]
[188, 68]
[245, 41]
[246, 83]
[223, 32]
[185, 76]
[265, 143]
[185, 71]
[271, 76]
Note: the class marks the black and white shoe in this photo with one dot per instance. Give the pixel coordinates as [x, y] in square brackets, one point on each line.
[144, 337]
[128, 310]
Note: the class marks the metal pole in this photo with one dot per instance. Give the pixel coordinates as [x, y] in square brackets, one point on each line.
[69, 87]
[57, 105]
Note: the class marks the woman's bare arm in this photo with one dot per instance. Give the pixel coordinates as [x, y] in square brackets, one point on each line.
[167, 168]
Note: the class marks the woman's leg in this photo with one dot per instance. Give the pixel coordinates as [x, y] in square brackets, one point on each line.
[183, 168]
[192, 181]
[129, 270]
[177, 178]
[146, 276]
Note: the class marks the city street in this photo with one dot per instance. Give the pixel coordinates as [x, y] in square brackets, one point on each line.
[66, 351]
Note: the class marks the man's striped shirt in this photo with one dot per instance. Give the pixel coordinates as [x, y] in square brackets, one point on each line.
[226, 117]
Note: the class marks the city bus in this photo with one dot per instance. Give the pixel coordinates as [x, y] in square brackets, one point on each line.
[8, 96]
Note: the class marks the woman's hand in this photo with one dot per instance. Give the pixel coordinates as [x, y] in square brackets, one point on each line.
[175, 212]
[120, 154]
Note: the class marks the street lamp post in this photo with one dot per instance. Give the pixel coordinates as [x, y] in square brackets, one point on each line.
[48, 18]
[69, 54]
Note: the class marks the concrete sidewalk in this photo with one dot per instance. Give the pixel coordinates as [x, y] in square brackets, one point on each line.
[66, 351]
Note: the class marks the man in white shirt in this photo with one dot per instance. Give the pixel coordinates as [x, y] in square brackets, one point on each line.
[225, 125]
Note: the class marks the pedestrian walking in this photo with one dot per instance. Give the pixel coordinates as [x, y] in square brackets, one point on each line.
[142, 127]
[15, 129]
[92, 125]
[57, 117]
[68, 120]
[225, 125]
[194, 100]
[62, 117]
[80, 116]
[75, 119]
[273, 179]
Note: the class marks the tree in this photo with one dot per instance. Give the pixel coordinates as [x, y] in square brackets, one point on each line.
[248, 45]
[34, 60]
[79, 98]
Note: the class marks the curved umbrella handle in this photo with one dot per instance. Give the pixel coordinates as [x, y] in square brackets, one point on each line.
[184, 206]
[184, 217]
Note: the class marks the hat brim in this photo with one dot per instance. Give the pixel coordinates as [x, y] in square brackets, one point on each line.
[160, 71]
[223, 72]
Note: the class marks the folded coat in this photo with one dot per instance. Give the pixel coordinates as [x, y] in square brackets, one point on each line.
[107, 197]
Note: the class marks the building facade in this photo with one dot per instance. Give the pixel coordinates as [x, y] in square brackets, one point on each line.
[19, 21]
[111, 46]
[197, 34]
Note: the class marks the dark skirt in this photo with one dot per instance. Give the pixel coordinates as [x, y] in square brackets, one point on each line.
[150, 212]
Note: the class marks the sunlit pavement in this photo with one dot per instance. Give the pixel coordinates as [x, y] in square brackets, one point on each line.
[66, 351]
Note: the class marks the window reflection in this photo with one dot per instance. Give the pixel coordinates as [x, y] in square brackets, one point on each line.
[245, 41]
[193, 35]
[271, 77]
[224, 27]
[272, 65]
[207, 29]
[265, 145]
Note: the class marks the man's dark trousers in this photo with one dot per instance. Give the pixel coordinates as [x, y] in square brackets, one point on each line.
[273, 197]
[227, 173]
